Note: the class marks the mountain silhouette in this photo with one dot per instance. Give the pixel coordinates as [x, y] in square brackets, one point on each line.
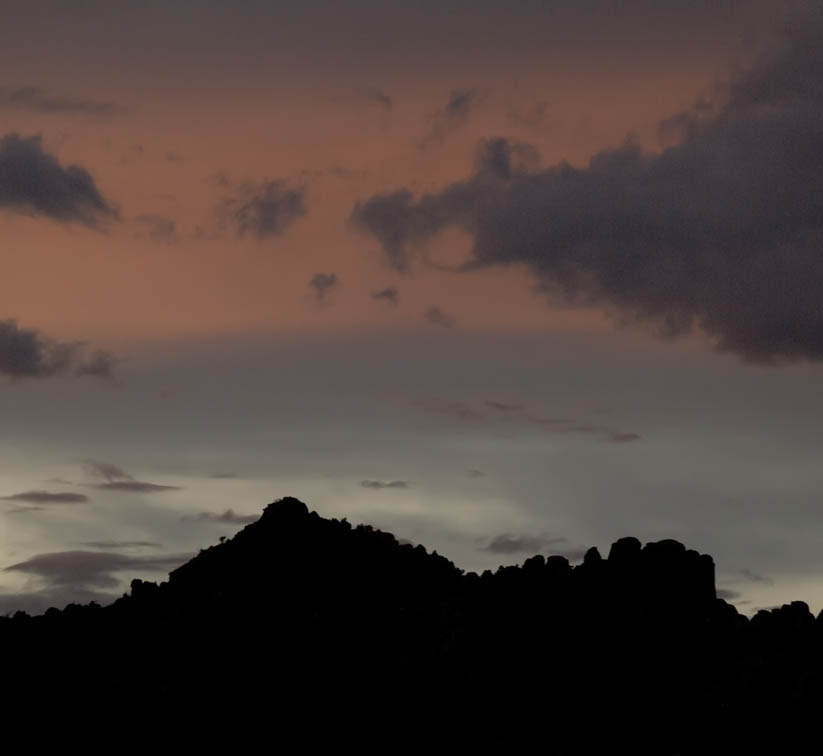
[336, 634]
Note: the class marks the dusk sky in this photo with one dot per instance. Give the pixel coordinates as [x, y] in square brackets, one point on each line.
[499, 277]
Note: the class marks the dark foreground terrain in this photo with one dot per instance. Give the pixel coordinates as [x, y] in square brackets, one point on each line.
[307, 632]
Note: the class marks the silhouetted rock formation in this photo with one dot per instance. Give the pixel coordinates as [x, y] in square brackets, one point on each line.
[310, 620]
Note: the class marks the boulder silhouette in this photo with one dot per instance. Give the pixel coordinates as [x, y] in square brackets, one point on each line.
[309, 620]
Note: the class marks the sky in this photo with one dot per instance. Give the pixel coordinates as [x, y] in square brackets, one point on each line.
[501, 278]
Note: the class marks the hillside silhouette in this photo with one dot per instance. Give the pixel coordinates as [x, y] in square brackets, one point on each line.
[341, 634]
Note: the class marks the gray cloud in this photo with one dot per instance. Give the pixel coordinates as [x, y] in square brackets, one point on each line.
[116, 479]
[322, 283]
[474, 473]
[23, 510]
[34, 182]
[135, 486]
[378, 96]
[47, 497]
[623, 438]
[451, 117]
[229, 517]
[754, 577]
[26, 353]
[36, 100]
[91, 569]
[389, 294]
[502, 158]
[727, 594]
[99, 365]
[455, 409]
[103, 545]
[158, 228]
[720, 232]
[437, 317]
[265, 211]
[36, 602]
[507, 543]
[503, 407]
[224, 476]
[379, 485]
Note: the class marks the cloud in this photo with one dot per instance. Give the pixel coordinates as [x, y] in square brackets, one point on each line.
[727, 595]
[389, 294]
[36, 100]
[437, 317]
[451, 117]
[91, 569]
[120, 544]
[135, 486]
[455, 409]
[22, 510]
[36, 602]
[35, 183]
[503, 159]
[753, 577]
[623, 438]
[47, 497]
[224, 476]
[379, 485]
[99, 365]
[26, 353]
[474, 473]
[229, 517]
[158, 228]
[106, 470]
[507, 543]
[378, 96]
[503, 407]
[265, 211]
[116, 479]
[721, 232]
[322, 283]
[550, 422]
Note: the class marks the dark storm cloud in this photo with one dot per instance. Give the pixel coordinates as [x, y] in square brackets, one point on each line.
[91, 569]
[451, 117]
[36, 100]
[503, 407]
[389, 294]
[47, 497]
[229, 517]
[507, 543]
[26, 353]
[455, 409]
[721, 232]
[158, 228]
[116, 479]
[265, 211]
[437, 317]
[379, 485]
[322, 283]
[34, 182]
